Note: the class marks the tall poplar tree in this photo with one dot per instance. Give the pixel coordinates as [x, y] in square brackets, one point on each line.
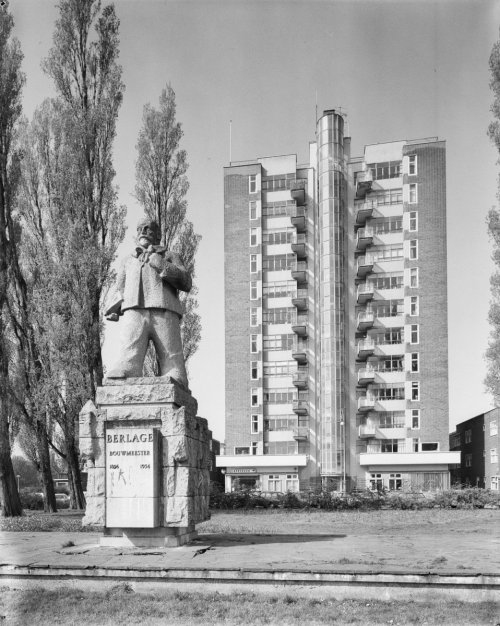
[83, 63]
[161, 188]
[11, 83]
[492, 380]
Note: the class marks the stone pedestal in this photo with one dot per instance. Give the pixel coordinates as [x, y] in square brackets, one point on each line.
[176, 496]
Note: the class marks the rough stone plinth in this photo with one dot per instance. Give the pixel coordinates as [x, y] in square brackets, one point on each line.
[184, 480]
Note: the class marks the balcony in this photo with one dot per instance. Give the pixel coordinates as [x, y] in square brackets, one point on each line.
[364, 182]
[363, 212]
[365, 293]
[300, 272]
[298, 194]
[300, 326]
[366, 347]
[367, 431]
[364, 265]
[300, 355]
[366, 375]
[364, 238]
[365, 320]
[300, 300]
[299, 379]
[366, 403]
[300, 407]
[301, 433]
[299, 246]
[299, 220]
[404, 454]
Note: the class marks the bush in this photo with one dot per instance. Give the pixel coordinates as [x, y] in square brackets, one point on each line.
[31, 500]
[363, 500]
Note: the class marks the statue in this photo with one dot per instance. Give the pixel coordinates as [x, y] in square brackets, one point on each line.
[147, 284]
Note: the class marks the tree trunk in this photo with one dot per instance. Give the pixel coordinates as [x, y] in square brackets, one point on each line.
[49, 495]
[77, 497]
[9, 495]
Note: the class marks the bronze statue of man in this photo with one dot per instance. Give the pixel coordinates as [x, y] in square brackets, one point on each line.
[147, 283]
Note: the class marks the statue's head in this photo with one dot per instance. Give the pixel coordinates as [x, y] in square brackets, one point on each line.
[148, 233]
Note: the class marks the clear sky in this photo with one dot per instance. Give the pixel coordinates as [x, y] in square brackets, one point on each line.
[400, 69]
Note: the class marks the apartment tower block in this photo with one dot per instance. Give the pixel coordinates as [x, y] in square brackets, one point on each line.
[336, 317]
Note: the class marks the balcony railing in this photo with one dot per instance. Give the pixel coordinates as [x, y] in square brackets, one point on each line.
[301, 433]
[364, 238]
[299, 379]
[299, 272]
[299, 245]
[299, 327]
[365, 292]
[298, 219]
[366, 403]
[365, 265]
[300, 407]
[365, 320]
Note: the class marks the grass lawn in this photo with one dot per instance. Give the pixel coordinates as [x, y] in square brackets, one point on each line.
[120, 605]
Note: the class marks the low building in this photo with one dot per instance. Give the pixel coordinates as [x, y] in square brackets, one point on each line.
[478, 441]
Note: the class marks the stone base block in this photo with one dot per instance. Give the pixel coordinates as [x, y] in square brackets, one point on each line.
[147, 538]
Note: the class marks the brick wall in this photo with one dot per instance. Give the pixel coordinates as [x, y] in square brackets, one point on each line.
[432, 291]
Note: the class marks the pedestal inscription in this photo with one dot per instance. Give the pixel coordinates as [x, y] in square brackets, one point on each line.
[132, 467]
[148, 461]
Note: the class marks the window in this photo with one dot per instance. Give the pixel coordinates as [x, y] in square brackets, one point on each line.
[391, 419]
[413, 249]
[415, 444]
[280, 423]
[253, 263]
[389, 445]
[412, 164]
[274, 482]
[414, 305]
[455, 440]
[252, 183]
[242, 450]
[429, 446]
[493, 428]
[280, 447]
[468, 436]
[254, 316]
[413, 199]
[255, 423]
[278, 236]
[414, 277]
[278, 342]
[254, 370]
[254, 236]
[278, 262]
[414, 333]
[415, 419]
[280, 289]
[255, 446]
[376, 483]
[252, 210]
[493, 455]
[254, 344]
[495, 483]
[389, 392]
[280, 396]
[388, 169]
[292, 482]
[280, 368]
[253, 290]
[414, 362]
[415, 390]
[395, 482]
[280, 315]
[388, 281]
[468, 460]
[413, 221]
[254, 397]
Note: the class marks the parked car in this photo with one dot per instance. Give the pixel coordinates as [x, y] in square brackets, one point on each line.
[62, 498]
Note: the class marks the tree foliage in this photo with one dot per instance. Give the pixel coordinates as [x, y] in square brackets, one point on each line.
[161, 188]
[11, 83]
[492, 380]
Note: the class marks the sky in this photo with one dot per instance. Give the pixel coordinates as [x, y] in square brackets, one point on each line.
[399, 69]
